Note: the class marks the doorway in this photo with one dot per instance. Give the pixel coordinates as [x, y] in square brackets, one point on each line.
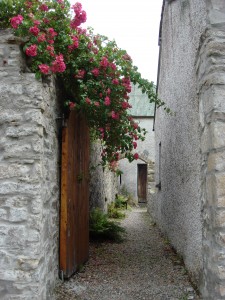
[142, 183]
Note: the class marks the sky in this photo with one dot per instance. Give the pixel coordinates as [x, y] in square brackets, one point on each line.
[133, 24]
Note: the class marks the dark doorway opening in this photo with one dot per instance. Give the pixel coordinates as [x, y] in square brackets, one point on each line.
[142, 183]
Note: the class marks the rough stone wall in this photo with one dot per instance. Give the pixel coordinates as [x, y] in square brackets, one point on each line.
[210, 69]
[103, 183]
[29, 179]
[177, 207]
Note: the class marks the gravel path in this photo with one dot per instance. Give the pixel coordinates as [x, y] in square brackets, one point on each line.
[142, 267]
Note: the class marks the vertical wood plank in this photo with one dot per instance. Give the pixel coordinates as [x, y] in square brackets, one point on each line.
[74, 225]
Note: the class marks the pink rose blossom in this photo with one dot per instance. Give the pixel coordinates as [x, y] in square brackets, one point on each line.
[52, 33]
[36, 22]
[77, 7]
[108, 92]
[80, 74]
[43, 7]
[107, 101]
[31, 51]
[80, 16]
[44, 68]
[135, 125]
[115, 81]
[97, 103]
[16, 21]
[60, 1]
[127, 57]
[51, 42]
[58, 65]
[114, 115]
[90, 45]
[95, 72]
[104, 62]
[135, 145]
[113, 66]
[135, 156]
[72, 105]
[88, 101]
[125, 105]
[28, 4]
[46, 21]
[34, 30]
[41, 38]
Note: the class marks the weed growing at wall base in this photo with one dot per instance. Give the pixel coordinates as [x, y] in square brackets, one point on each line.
[96, 74]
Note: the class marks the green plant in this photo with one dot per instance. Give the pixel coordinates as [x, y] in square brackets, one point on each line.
[115, 212]
[102, 229]
[95, 73]
[121, 201]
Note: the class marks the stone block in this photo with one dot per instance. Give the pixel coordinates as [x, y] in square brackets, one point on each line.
[220, 184]
[216, 161]
[221, 290]
[217, 17]
[26, 264]
[23, 131]
[220, 219]
[18, 214]
[218, 135]
[9, 116]
[220, 272]
[17, 201]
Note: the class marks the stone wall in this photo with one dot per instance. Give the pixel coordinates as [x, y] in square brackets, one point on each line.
[190, 206]
[29, 179]
[103, 183]
[177, 207]
[210, 69]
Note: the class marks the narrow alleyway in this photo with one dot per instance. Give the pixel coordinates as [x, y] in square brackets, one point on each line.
[142, 267]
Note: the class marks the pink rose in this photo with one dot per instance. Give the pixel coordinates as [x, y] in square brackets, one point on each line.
[36, 22]
[16, 21]
[41, 38]
[135, 145]
[80, 74]
[43, 7]
[31, 51]
[52, 33]
[96, 103]
[114, 115]
[104, 62]
[44, 68]
[58, 65]
[72, 105]
[34, 30]
[107, 101]
[135, 156]
[95, 72]
[115, 81]
[88, 101]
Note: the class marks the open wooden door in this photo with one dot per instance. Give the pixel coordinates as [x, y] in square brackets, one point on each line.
[74, 212]
[142, 182]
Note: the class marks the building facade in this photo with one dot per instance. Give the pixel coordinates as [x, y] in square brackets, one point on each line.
[138, 175]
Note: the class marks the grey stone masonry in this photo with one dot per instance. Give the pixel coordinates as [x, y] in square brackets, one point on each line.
[211, 89]
[103, 183]
[29, 179]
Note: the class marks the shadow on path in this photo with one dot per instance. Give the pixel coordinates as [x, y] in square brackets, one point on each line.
[142, 267]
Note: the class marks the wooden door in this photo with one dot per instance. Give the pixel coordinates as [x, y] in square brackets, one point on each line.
[142, 182]
[74, 211]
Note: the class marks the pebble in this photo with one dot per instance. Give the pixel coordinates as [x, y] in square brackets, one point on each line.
[136, 269]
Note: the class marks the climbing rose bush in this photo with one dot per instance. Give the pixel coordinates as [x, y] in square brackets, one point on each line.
[96, 74]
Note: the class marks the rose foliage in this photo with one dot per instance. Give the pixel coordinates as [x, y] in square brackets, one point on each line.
[96, 74]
